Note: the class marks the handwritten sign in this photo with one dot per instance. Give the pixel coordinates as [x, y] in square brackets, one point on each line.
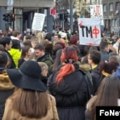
[89, 31]
[38, 22]
[96, 11]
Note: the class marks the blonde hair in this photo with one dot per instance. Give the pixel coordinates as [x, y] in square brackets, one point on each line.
[44, 67]
[40, 37]
[34, 41]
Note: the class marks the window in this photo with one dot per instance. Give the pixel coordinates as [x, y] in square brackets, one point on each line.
[104, 8]
[111, 7]
[117, 6]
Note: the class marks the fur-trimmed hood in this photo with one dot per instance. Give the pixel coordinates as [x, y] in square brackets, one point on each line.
[5, 83]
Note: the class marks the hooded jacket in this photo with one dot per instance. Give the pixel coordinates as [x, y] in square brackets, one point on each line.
[6, 89]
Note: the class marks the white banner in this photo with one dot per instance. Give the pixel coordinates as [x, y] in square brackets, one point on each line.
[38, 22]
[89, 31]
[97, 11]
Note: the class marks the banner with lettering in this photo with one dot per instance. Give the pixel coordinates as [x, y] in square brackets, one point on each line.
[89, 31]
[38, 22]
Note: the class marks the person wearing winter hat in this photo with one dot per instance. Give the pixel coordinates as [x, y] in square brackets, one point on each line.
[30, 101]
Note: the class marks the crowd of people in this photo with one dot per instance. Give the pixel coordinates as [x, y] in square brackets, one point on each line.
[46, 76]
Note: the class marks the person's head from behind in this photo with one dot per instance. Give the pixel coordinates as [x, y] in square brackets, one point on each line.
[25, 51]
[104, 46]
[107, 68]
[39, 51]
[108, 92]
[3, 59]
[58, 45]
[27, 43]
[74, 40]
[68, 58]
[6, 42]
[94, 57]
[2, 47]
[69, 55]
[16, 44]
[34, 41]
[44, 68]
[113, 58]
[30, 99]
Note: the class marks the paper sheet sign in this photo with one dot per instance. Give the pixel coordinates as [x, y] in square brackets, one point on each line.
[89, 31]
[97, 11]
[38, 22]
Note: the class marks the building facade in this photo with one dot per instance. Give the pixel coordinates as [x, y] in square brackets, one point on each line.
[111, 11]
[24, 10]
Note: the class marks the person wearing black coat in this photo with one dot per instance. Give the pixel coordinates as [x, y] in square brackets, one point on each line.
[6, 87]
[94, 58]
[7, 44]
[69, 89]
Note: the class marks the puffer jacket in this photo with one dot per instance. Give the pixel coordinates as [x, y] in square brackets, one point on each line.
[71, 95]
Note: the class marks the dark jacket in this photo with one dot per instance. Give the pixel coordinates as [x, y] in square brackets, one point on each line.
[96, 78]
[104, 56]
[48, 60]
[11, 62]
[6, 89]
[71, 95]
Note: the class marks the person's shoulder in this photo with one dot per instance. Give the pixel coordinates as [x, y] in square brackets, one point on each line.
[5, 82]
[91, 103]
[52, 98]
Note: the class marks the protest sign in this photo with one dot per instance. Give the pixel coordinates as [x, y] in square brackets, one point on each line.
[38, 22]
[89, 31]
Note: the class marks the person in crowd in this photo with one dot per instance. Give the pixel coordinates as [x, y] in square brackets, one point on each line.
[2, 47]
[34, 41]
[30, 101]
[108, 94]
[105, 49]
[117, 45]
[107, 68]
[40, 37]
[15, 51]
[57, 61]
[6, 87]
[27, 43]
[24, 55]
[94, 58]
[68, 85]
[58, 46]
[48, 47]
[15, 35]
[42, 56]
[56, 38]
[74, 39]
[44, 72]
[7, 43]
